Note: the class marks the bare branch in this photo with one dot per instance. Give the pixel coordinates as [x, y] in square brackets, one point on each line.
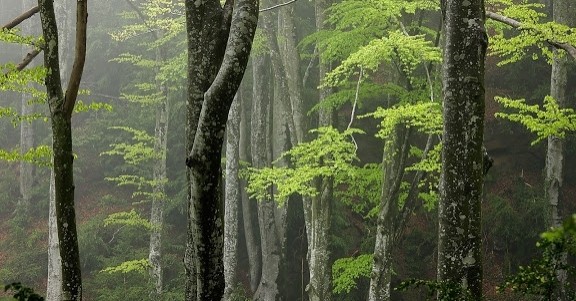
[21, 18]
[80, 57]
[277, 5]
[27, 59]
[569, 48]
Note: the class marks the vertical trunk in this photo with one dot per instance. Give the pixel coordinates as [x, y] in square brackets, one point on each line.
[54, 285]
[460, 241]
[206, 42]
[205, 233]
[268, 287]
[563, 13]
[393, 164]
[249, 206]
[160, 179]
[318, 211]
[159, 197]
[232, 198]
[61, 108]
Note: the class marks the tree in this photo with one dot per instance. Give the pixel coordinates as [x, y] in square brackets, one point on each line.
[61, 107]
[459, 237]
[214, 75]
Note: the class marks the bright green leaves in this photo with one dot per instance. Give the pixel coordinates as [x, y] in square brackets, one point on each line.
[347, 271]
[425, 116]
[137, 265]
[329, 155]
[409, 50]
[127, 218]
[548, 120]
[14, 36]
[40, 156]
[134, 153]
[532, 32]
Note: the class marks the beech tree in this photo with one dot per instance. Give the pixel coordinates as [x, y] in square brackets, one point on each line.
[61, 106]
[459, 236]
[219, 43]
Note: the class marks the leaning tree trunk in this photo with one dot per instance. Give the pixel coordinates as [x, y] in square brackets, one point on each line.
[232, 198]
[460, 241]
[61, 107]
[205, 235]
[393, 165]
[563, 13]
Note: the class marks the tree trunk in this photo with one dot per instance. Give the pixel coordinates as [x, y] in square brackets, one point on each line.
[460, 241]
[160, 179]
[205, 235]
[393, 165]
[249, 206]
[318, 210]
[54, 285]
[563, 14]
[61, 108]
[232, 198]
[268, 287]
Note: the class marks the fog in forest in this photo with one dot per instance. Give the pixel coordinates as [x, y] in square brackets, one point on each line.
[327, 183]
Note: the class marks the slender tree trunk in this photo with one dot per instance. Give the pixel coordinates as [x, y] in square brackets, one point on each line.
[249, 206]
[232, 198]
[318, 211]
[268, 287]
[563, 13]
[460, 241]
[393, 165]
[54, 285]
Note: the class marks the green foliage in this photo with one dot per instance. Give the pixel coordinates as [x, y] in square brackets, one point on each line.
[346, 272]
[130, 218]
[409, 50]
[40, 155]
[540, 278]
[363, 189]
[137, 265]
[546, 121]
[533, 32]
[425, 116]
[329, 155]
[23, 293]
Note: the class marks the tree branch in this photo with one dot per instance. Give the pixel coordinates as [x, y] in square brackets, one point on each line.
[21, 18]
[79, 59]
[277, 5]
[569, 48]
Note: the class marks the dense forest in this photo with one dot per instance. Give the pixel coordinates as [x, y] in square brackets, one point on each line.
[288, 150]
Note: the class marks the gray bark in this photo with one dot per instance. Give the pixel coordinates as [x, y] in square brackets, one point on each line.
[232, 198]
[205, 235]
[268, 287]
[160, 179]
[61, 107]
[563, 13]
[393, 165]
[318, 210]
[249, 206]
[54, 282]
[460, 241]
